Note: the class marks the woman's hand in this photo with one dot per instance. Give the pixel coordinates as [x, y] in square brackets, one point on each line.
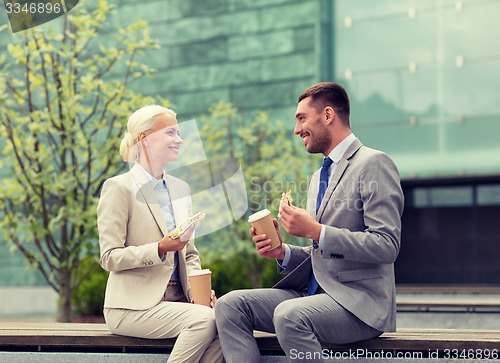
[213, 299]
[168, 244]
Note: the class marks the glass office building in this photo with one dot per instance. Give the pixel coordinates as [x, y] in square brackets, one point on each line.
[423, 79]
[423, 76]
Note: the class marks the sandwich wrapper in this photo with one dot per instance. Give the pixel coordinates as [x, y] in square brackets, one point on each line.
[183, 227]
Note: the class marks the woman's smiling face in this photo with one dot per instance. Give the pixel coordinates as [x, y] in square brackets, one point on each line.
[164, 141]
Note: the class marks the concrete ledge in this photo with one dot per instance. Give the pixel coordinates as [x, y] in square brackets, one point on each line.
[447, 289]
[460, 305]
[96, 338]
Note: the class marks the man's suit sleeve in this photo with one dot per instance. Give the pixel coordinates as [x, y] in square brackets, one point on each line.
[381, 202]
[112, 220]
[297, 256]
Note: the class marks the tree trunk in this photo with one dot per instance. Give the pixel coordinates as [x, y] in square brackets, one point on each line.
[65, 315]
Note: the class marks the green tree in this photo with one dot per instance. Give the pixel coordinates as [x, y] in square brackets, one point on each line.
[88, 296]
[65, 98]
[272, 164]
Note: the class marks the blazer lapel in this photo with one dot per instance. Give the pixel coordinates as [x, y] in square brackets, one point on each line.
[337, 175]
[145, 194]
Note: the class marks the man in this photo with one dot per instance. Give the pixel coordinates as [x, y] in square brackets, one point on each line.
[340, 288]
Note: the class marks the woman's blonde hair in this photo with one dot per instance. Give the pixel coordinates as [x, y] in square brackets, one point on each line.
[142, 120]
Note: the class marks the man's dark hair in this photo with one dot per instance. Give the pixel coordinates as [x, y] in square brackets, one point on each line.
[329, 94]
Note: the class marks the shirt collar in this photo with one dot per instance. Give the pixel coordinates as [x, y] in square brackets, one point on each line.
[339, 150]
[151, 179]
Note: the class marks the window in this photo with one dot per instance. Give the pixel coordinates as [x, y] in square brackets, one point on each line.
[488, 194]
[425, 197]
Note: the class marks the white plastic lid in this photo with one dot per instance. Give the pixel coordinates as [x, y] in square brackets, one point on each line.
[258, 215]
[200, 272]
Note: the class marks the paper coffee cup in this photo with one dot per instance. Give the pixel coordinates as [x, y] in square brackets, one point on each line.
[262, 221]
[201, 286]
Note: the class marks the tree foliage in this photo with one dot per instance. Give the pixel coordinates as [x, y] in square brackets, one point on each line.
[65, 98]
[272, 164]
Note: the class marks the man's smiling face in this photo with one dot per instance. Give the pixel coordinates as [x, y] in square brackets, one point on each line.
[310, 127]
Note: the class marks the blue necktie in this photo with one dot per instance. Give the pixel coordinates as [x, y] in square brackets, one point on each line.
[312, 284]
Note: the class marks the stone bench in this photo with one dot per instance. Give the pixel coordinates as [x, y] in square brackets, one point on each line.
[85, 339]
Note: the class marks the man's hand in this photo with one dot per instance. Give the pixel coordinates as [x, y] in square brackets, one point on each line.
[298, 222]
[263, 244]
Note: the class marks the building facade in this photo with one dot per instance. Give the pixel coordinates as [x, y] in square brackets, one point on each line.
[422, 77]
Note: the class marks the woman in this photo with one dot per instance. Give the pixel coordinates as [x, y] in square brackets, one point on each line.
[147, 293]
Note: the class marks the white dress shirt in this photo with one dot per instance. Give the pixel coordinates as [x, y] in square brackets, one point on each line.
[336, 155]
[161, 191]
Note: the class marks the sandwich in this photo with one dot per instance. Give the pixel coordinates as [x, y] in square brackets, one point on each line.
[183, 227]
[286, 198]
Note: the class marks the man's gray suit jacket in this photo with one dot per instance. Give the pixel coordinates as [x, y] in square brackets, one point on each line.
[362, 210]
